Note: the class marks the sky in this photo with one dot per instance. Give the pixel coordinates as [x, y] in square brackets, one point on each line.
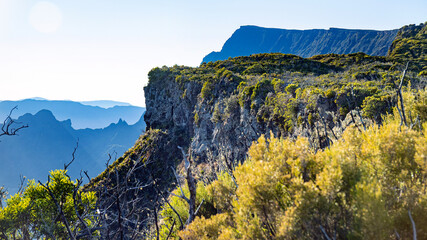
[85, 50]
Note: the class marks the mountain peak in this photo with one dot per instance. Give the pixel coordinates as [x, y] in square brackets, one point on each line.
[83, 116]
[45, 114]
[105, 103]
[121, 122]
[36, 98]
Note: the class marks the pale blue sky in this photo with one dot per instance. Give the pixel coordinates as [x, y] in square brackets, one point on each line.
[103, 49]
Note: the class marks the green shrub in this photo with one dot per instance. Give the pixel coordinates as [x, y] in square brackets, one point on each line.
[216, 114]
[196, 118]
[207, 89]
[375, 106]
[291, 88]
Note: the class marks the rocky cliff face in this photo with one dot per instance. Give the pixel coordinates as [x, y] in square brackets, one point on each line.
[249, 40]
[216, 110]
[217, 113]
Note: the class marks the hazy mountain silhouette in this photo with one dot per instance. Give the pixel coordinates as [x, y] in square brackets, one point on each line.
[248, 40]
[104, 103]
[48, 144]
[82, 116]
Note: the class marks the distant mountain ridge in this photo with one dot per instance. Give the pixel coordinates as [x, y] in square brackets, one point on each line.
[82, 116]
[104, 103]
[48, 144]
[248, 40]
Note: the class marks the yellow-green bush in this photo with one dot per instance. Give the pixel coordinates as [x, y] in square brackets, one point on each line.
[34, 214]
[362, 187]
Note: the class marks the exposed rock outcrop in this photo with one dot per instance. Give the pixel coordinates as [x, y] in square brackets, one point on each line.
[218, 127]
[216, 111]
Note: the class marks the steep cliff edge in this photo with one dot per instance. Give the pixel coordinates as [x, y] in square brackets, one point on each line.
[249, 40]
[216, 111]
[223, 107]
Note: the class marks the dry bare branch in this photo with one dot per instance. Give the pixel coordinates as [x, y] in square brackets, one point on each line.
[7, 127]
[399, 94]
[414, 229]
[73, 155]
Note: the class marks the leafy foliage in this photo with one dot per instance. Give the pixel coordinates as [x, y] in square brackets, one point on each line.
[360, 188]
[289, 92]
[364, 185]
[367, 185]
[33, 212]
[411, 44]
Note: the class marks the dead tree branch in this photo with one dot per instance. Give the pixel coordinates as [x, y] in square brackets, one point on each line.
[21, 185]
[73, 155]
[76, 203]
[324, 233]
[357, 108]
[198, 208]
[170, 230]
[173, 209]
[399, 94]
[191, 183]
[414, 229]
[7, 127]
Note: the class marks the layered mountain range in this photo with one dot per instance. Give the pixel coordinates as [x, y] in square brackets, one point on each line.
[249, 40]
[49, 141]
[95, 114]
[49, 144]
